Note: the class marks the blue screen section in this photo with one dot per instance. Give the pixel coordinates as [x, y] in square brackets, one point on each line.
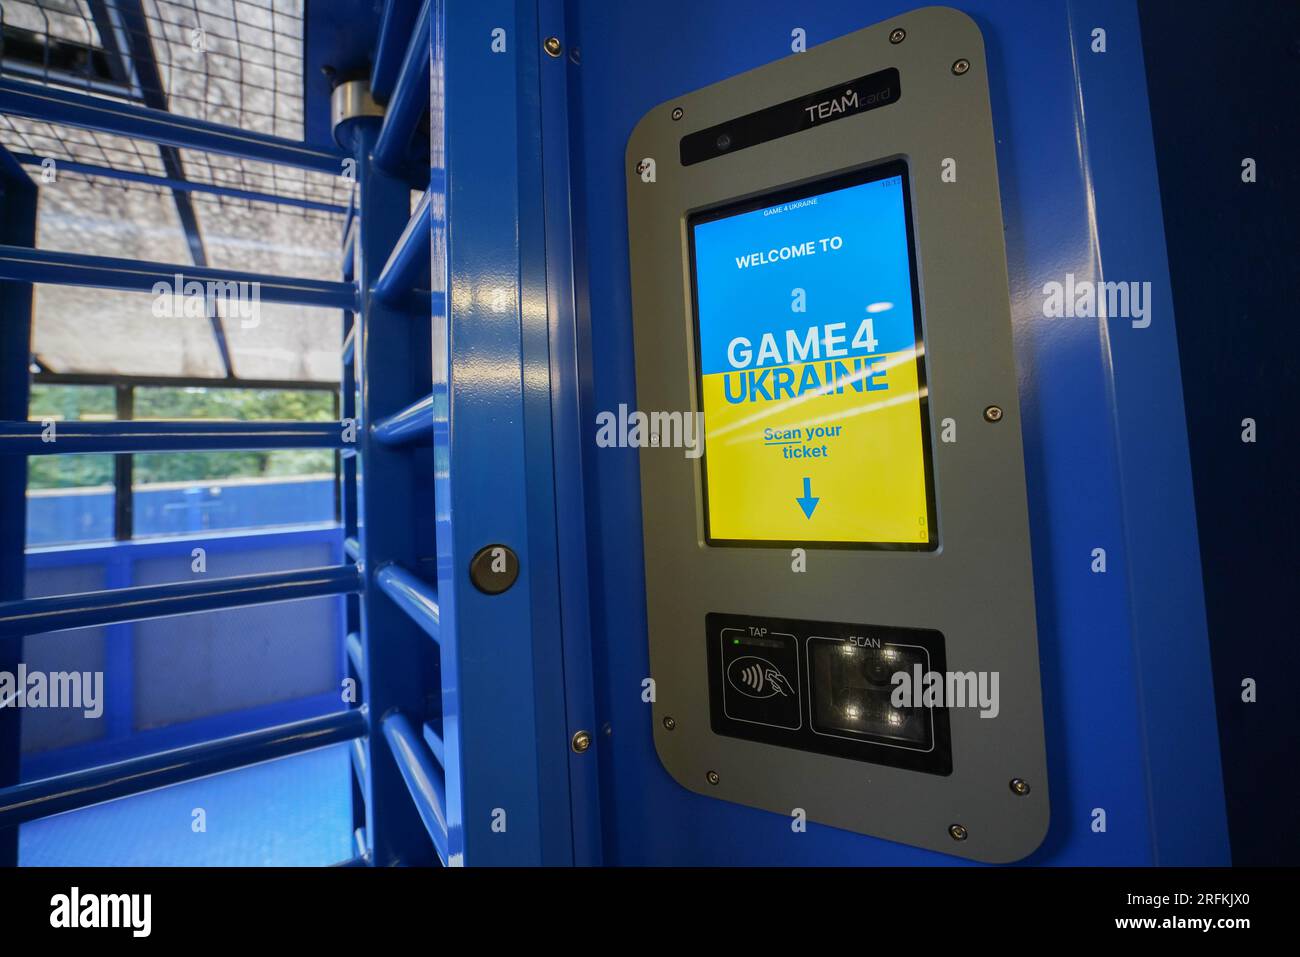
[849, 246]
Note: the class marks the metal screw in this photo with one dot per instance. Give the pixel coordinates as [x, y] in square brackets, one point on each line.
[553, 46]
[669, 723]
[677, 113]
[897, 35]
[581, 742]
[993, 414]
[958, 833]
[713, 777]
[960, 67]
[1019, 787]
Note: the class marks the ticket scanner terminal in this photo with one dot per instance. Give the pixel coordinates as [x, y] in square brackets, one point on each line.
[839, 588]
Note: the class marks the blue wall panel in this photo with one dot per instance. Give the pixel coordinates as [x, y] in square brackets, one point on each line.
[87, 516]
[634, 57]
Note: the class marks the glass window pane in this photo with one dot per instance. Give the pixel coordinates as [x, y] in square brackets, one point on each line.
[202, 402]
[269, 238]
[288, 342]
[59, 142]
[246, 174]
[247, 70]
[69, 497]
[68, 20]
[102, 216]
[116, 333]
[183, 493]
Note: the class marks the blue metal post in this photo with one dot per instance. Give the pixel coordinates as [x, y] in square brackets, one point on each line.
[393, 502]
[18, 228]
[506, 739]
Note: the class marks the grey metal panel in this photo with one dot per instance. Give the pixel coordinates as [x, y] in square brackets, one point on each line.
[977, 587]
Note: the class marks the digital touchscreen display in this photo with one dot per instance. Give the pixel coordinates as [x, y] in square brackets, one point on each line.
[812, 377]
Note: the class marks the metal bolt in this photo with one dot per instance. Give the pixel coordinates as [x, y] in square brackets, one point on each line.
[669, 722]
[1019, 787]
[960, 67]
[494, 568]
[713, 777]
[993, 414]
[678, 113]
[897, 35]
[581, 742]
[553, 46]
[958, 833]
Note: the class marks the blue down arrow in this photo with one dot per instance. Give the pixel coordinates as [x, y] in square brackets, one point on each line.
[807, 503]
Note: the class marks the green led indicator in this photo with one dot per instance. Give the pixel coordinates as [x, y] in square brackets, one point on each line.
[735, 641]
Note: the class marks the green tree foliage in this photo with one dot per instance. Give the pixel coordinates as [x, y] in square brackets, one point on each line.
[97, 402]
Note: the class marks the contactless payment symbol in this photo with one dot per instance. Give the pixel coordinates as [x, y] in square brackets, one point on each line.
[760, 676]
[757, 678]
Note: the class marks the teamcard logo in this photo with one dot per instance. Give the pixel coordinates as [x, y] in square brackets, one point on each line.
[847, 102]
[946, 689]
[1086, 299]
[82, 690]
[131, 911]
[641, 430]
[183, 298]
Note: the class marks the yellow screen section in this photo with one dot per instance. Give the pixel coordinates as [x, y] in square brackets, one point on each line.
[835, 454]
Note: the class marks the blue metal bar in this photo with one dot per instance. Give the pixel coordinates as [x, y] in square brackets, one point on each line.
[66, 792]
[360, 765]
[390, 49]
[422, 777]
[408, 266]
[350, 345]
[359, 842]
[35, 438]
[409, 100]
[434, 740]
[352, 548]
[349, 265]
[32, 616]
[356, 654]
[37, 102]
[413, 424]
[184, 185]
[105, 272]
[498, 480]
[413, 595]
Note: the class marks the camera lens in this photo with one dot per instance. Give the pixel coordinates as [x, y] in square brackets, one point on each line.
[724, 142]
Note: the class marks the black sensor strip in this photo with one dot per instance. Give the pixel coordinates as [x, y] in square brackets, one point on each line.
[793, 116]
